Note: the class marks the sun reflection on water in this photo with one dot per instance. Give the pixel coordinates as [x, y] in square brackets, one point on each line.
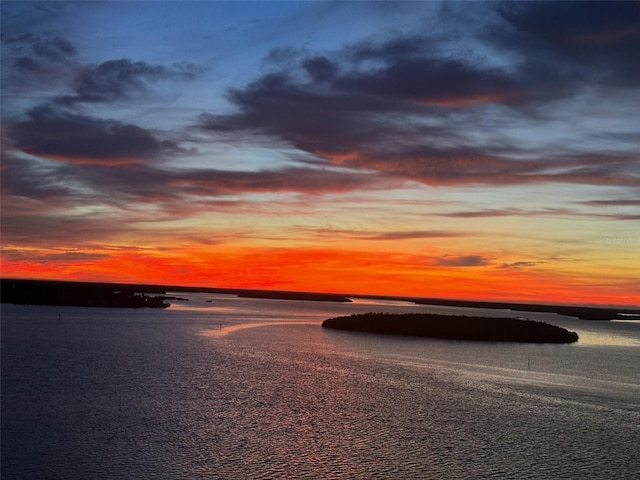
[607, 339]
[224, 330]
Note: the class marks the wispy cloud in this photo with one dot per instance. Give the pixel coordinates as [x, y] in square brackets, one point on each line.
[520, 264]
[462, 261]
[123, 79]
[622, 202]
[360, 234]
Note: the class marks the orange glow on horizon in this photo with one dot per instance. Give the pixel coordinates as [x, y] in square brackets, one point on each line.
[327, 270]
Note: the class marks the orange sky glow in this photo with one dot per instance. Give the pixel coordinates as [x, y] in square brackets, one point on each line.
[340, 271]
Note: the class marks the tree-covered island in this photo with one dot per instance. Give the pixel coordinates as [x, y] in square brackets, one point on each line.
[487, 329]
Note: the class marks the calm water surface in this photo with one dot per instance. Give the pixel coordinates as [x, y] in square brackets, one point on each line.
[249, 389]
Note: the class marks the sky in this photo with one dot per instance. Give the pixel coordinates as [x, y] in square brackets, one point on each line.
[464, 150]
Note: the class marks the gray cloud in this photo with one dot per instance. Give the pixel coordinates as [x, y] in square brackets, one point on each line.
[462, 261]
[65, 136]
[519, 265]
[121, 79]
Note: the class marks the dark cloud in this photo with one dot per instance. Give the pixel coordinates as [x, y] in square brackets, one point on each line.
[598, 40]
[394, 106]
[39, 58]
[55, 49]
[121, 79]
[434, 81]
[27, 64]
[23, 38]
[60, 135]
[333, 104]
[28, 50]
[462, 261]
[575, 23]
[29, 59]
[48, 48]
[320, 69]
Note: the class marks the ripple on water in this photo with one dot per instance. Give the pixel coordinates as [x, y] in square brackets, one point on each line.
[139, 398]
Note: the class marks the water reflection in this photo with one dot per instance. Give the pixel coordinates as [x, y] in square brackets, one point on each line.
[380, 302]
[607, 339]
[224, 330]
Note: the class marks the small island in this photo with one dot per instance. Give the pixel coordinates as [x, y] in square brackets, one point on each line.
[486, 329]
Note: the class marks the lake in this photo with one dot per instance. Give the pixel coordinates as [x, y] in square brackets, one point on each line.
[236, 388]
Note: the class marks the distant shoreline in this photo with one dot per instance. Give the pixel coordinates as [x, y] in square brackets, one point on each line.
[308, 296]
[584, 313]
[452, 327]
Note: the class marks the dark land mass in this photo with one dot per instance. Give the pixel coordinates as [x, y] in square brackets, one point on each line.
[315, 297]
[486, 329]
[76, 294]
[87, 294]
[585, 313]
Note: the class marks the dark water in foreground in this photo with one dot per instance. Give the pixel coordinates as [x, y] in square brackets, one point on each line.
[241, 388]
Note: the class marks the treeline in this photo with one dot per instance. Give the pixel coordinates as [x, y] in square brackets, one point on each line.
[42, 292]
[489, 329]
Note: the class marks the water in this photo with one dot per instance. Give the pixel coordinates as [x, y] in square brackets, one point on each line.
[254, 388]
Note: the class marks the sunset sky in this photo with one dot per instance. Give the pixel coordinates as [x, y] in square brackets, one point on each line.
[472, 150]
